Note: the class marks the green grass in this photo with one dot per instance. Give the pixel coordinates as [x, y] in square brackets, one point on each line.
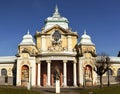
[104, 90]
[9, 90]
[95, 90]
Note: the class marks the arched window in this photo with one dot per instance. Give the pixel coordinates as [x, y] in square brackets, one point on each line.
[3, 72]
[109, 72]
[118, 72]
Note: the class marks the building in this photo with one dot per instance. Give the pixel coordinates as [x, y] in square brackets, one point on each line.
[55, 54]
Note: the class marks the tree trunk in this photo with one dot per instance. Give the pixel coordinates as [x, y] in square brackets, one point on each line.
[108, 79]
[101, 85]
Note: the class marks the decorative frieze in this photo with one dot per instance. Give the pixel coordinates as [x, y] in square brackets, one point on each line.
[57, 58]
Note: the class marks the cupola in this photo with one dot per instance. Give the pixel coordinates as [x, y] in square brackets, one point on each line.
[56, 19]
[27, 39]
[85, 39]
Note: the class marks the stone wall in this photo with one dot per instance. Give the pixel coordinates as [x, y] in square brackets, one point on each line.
[6, 80]
[112, 80]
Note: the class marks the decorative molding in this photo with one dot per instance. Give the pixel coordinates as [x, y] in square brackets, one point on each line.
[65, 61]
[57, 58]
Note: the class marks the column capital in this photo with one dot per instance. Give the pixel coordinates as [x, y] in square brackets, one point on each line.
[69, 36]
[39, 62]
[43, 36]
[74, 61]
[48, 61]
[65, 61]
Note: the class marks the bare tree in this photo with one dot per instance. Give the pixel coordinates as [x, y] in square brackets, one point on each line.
[101, 66]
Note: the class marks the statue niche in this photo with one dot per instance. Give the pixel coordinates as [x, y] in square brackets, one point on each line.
[88, 73]
[56, 43]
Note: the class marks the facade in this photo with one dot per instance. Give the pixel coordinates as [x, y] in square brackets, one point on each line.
[55, 54]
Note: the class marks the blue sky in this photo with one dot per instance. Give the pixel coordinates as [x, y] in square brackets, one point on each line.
[101, 19]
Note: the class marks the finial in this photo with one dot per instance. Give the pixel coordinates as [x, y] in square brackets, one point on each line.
[56, 8]
[56, 13]
[28, 32]
[85, 31]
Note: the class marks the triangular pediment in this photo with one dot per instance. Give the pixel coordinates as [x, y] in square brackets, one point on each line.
[60, 29]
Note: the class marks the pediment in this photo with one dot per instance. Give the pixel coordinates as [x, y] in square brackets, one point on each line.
[60, 29]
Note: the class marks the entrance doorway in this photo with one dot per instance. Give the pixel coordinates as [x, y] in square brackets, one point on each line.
[56, 72]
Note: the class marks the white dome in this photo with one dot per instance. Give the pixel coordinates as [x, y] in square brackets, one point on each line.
[27, 39]
[85, 40]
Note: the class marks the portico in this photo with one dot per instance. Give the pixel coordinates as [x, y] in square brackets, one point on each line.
[46, 70]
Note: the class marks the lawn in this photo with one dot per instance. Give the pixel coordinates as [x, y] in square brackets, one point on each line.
[9, 90]
[95, 90]
[104, 90]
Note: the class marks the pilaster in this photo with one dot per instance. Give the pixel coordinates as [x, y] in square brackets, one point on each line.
[69, 43]
[43, 45]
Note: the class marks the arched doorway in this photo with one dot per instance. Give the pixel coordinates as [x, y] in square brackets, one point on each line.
[88, 75]
[24, 75]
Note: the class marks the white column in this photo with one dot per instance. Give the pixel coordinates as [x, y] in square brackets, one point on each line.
[39, 74]
[48, 72]
[18, 73]
[74, 74]
[65, 72]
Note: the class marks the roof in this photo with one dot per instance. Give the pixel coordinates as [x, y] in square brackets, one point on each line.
[114, 59]
[27, 39]
[85, 39]
[56, 19]
[7, 59]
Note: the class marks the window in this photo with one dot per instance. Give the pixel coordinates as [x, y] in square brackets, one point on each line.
[3, 72]
[109, 72]
[56, 36]
[118, 72]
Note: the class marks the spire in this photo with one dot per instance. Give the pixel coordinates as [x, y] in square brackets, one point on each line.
[56, 19]
[28, 32]
[56, 13]
[84, 31]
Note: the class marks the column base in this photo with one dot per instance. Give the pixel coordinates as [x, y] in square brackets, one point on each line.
[75, 86]
[48, 86]
[64, 85]
[39, 86]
